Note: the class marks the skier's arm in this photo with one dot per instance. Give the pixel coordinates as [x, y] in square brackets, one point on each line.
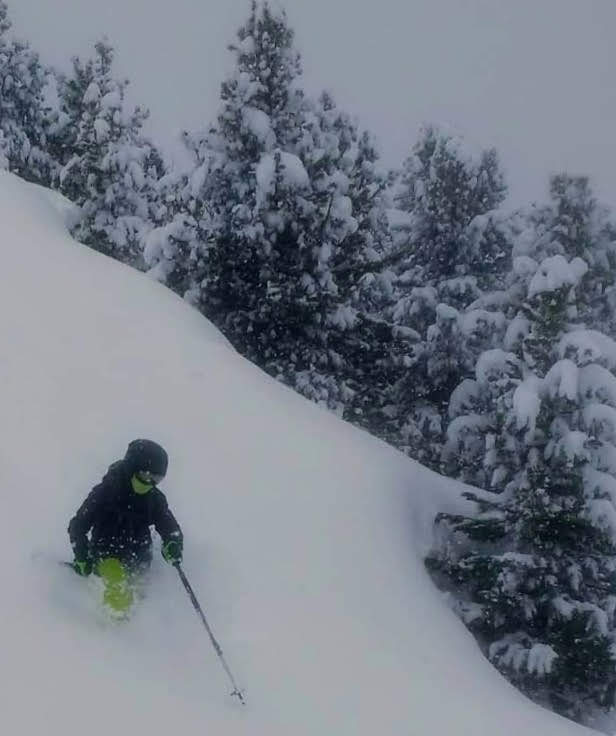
[81, 523]
[166, 525]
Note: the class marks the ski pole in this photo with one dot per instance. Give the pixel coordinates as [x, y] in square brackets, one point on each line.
[237, 693]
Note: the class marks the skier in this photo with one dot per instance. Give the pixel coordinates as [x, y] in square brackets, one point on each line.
[118, 514]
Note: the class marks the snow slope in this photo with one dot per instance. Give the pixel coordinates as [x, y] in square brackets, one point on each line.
[304, 535]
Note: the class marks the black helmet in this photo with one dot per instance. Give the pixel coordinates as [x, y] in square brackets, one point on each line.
[145, 455]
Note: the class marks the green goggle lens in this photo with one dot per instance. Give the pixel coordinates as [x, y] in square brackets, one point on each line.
[145, 476]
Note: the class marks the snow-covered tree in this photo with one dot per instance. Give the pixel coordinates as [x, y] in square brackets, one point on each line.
[481, 411]
[458, 250]
[574, 224]
[534, 568]
[174, 250]
[437, 363]
[23, 110]
[237, 207]
[110, 169]
[280, 234]
[350, 232]
[445, 187]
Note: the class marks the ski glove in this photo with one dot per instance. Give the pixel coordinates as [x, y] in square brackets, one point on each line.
[172, 551]
[82, 567]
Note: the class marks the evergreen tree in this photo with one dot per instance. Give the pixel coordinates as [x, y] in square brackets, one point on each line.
[534, 568]
[173, 250]
[110, 170]
[574, 225]
[280, 235]
[243, 194]
[22, 108]
[359, 344]
[458, 251]
[445, 187]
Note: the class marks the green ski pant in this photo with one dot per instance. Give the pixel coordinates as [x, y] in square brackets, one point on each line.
[118, 584]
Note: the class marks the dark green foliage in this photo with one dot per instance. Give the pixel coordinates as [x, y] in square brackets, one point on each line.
[547, 313]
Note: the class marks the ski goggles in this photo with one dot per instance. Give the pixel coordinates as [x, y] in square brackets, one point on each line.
[145, 476]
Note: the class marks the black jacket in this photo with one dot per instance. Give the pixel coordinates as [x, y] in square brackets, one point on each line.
[119, 520]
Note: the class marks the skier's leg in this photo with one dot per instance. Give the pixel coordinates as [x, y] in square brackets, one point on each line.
[118, 593]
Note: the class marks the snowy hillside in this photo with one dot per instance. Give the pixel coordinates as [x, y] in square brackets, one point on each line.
[304, 536]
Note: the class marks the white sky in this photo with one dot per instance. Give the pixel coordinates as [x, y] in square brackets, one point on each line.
[535, 78]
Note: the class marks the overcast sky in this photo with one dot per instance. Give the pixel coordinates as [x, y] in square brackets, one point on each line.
[535, 78]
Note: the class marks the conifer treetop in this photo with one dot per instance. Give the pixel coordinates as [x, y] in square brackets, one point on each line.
[5, 21]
